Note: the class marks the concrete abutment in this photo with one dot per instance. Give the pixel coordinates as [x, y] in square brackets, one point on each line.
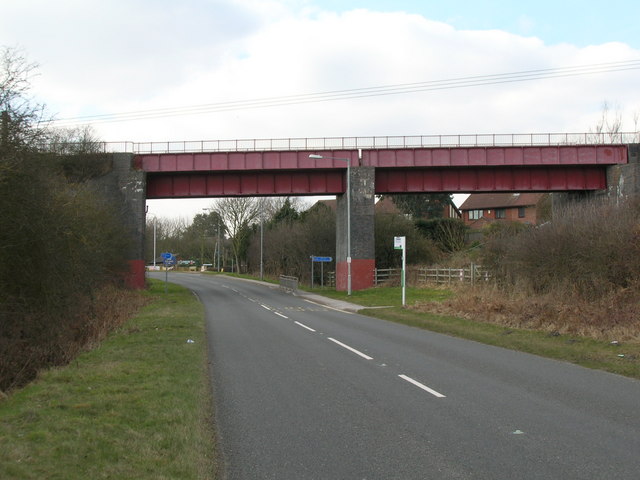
[125, 187]
[623, 181]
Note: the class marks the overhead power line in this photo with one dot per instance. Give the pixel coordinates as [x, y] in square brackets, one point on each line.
[335, 95]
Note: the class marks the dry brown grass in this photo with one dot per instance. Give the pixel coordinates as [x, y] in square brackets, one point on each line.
[614, 316]
[577, 275]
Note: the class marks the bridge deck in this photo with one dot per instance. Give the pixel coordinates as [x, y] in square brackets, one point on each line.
[387, 158]
[398, 170]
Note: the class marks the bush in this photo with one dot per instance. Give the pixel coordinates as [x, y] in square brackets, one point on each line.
[504, 229]
[449, 234]
[420, 250]
[61, 245]
[591, 248]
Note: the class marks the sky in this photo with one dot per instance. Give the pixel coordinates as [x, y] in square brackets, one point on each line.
[159, 70]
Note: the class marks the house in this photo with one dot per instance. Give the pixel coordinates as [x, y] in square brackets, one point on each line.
[480, 209]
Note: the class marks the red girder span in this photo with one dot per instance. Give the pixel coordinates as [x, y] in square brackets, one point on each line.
[458, 169]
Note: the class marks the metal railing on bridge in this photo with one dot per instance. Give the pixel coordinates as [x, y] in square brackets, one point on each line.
[374, 142]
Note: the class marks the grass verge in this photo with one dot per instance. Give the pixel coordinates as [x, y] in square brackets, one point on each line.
[620, 358]
[384, 296]
[138, 406]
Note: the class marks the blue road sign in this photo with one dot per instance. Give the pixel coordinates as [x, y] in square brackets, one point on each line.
[321, 259]
[169, 259]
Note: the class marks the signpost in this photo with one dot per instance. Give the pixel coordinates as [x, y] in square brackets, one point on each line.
[400, 243]
[169, 260]
[322, 261]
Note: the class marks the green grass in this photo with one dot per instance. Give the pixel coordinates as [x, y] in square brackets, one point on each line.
[137, 407]
[384, 296]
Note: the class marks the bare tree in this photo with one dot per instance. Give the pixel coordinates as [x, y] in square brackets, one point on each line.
[76, 140]
[238, 213]
[609, 126]
[271, 205]
[22, 121]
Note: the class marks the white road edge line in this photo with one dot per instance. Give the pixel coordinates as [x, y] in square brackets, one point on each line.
[366, 357]
[303, 326]
[281, 315]
[423, 387]
[327, 306]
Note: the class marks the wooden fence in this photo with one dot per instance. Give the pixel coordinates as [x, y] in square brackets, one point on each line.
[424, 275]
[432, 275]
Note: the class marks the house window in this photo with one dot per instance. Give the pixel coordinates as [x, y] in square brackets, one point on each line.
[475, 214]
[501, 213]
[520, 212]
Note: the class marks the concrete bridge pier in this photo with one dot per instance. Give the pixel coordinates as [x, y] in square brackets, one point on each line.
[362, 231]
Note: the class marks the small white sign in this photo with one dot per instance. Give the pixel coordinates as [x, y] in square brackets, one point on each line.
[399, 243]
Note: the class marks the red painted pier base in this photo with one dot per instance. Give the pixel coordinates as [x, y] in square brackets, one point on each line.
[135, 278]
[362, 274]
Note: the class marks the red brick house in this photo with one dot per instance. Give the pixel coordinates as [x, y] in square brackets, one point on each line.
[481, 209]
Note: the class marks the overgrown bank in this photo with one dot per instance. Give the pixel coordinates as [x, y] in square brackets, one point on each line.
[578, 274]
[63, 256]
[62, 242]
[138, 406]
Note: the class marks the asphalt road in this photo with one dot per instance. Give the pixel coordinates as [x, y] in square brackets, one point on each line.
[303, 391]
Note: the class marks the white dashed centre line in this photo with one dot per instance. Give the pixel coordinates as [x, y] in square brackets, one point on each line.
[304, 326]
[423, 387]
[281, 315]
[357, 352]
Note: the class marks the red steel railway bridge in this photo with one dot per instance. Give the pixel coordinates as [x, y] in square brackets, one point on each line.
[377, 165]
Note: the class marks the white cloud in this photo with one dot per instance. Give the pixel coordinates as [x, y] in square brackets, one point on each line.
[126, 56]
[326, 52]
[119, 56]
